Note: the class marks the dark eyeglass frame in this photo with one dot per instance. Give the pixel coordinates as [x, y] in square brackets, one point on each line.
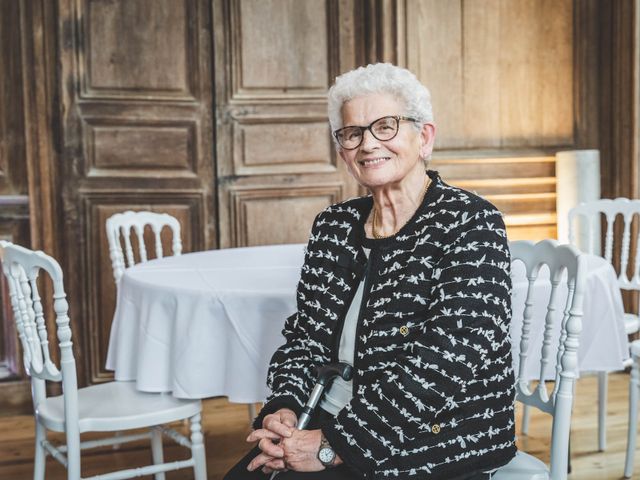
[397, 118]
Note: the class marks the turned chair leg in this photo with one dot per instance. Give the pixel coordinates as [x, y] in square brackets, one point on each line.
[252, 412]
[526, 414]
[603, 388]
[197, 449]
[156, 450]
[632, 430]
[40, 458]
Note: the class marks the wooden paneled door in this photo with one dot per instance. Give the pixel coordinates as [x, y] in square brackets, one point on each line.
[137, 132]
[276, 163]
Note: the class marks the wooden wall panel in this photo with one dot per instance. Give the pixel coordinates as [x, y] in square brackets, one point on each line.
[481, 108]
[289, 213]
[500, 72]
[275, 145]
[140, 148]
[619, 116]
[138, 48]
[275, 61]
[13, 171]
[435, 55]
[523, 188]
[282, 46]
[503, 80]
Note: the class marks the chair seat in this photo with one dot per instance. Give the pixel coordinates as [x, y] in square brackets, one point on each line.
[523, 467]
[631, 323]
[117, 406]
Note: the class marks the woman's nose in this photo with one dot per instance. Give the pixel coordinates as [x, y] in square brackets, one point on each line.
[369, 141]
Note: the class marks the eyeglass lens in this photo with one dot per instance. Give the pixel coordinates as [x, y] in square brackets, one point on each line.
[384, 128]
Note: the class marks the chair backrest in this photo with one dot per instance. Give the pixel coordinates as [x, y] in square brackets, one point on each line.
[121, 225]
[22, 267]
[589, 216]
[566, 266]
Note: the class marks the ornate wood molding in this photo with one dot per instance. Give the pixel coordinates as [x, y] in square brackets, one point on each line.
[618, 89]
[39, 55]
[384, 31]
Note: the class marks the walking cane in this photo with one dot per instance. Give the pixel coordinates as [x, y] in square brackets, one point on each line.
[325, 375]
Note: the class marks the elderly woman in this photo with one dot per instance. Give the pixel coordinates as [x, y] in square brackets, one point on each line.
[410, 285]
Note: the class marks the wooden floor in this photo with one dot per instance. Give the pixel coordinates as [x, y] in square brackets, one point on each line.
[226, 427]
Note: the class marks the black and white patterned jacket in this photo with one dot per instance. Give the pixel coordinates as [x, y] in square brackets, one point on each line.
[433, 399]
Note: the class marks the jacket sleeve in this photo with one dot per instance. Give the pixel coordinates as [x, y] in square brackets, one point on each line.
[422, 399]
[291, 371]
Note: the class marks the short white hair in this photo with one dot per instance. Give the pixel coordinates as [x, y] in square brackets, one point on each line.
[380, 78]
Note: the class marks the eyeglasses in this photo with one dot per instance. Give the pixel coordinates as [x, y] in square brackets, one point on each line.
[383, 129]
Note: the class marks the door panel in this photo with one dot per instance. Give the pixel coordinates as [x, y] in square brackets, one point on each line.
[138, 49]
[282, 45]
[277, 166]
[138, 136]
[265, 216]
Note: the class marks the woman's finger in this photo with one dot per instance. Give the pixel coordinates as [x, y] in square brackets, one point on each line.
[270, 448]
[273, 423]
[262, 433]
[289, 418]
[275, 464]
[258, 461]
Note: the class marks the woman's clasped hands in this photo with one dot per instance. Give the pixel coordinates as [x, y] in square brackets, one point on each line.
[283, 447]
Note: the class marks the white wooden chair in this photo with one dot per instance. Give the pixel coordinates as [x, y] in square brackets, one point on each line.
[108, 407]
[558, 402]
[588, 216]
[120, 227]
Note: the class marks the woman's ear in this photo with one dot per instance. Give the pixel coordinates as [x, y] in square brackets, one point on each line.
[427, 137]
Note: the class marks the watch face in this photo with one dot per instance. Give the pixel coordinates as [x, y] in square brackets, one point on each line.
[326, 455]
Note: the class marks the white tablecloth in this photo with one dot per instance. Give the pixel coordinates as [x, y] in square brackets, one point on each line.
[603, 341]
[206, 324]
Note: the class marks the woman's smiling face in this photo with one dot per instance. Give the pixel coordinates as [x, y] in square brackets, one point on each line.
[377, 163]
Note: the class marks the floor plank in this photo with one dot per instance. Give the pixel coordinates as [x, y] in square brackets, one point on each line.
[226, 425]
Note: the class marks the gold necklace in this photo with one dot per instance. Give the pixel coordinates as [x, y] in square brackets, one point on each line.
[374, 220]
